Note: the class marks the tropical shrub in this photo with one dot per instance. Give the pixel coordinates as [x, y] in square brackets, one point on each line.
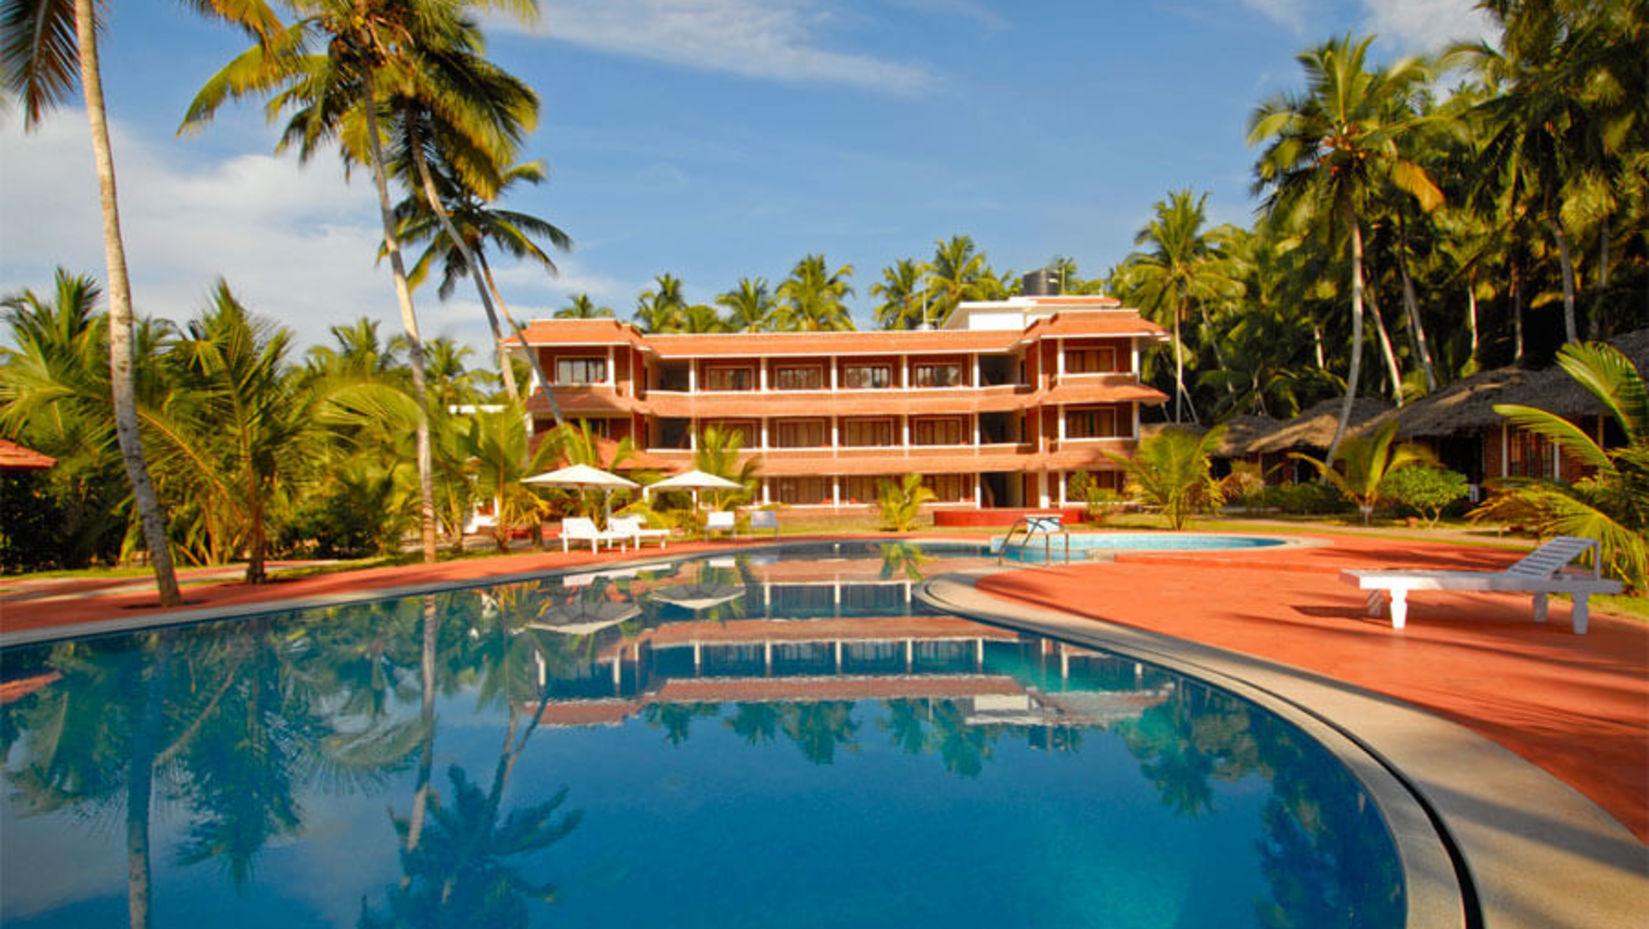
[1305, 499]
[1427, 491]
[1101, 501]
[1364, 462]
[1245, 484]
[1171, 471]
[1078, 485]
[1611, 505]
[901, 503]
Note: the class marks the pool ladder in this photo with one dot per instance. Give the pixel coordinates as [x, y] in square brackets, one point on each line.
[1046, 526]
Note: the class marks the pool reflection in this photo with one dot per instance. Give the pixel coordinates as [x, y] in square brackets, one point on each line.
[233, 758]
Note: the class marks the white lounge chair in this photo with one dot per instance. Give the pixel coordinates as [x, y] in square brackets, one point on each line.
[582, 529]
[719, 521]
[764, 519]
[1540, 573]
[631, 526]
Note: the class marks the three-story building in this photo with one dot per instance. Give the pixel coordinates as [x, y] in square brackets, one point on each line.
[995, 409]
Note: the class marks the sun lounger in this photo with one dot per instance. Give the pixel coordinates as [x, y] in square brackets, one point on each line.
[582, 529]
[631, 525]
[718, 521]
[764, 519]
[1541, 573]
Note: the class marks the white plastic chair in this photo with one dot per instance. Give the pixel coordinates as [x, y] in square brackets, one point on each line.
[631, 526]
[582, 529]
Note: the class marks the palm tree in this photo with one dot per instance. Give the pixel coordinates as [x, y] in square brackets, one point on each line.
[719, 452]
[901, 503]
[749, 306]
[374, 54]
[479, 223]
[700, 318]
[811, 297]
[502, 457]
[1328, 150]
[904, 295]
[1171, 471]
[234, 429]
[958, 272]
[1179, 270]
[582, 307]
[663, 308]
[42, 57]
[1365, 462]
[1612, 503]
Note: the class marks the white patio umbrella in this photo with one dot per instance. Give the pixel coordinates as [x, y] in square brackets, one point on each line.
[583, 477]
[695, 481]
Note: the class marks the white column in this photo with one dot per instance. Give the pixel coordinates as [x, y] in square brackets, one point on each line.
[1133, 356]
[1064, 484]
[979, 491]
[904, 372]
[767, 496]
[692, 376]
[1136, 420]
[834, 370]
[612, 369]
[1557, 462]
[905, 421]
[1042, 488]
[761, 373]
[1505, 451]
[978, 432]
[976, 381]
[836, 491]
[692, 435]
[763, 432]
[1059, 360]
[1059, 417]
[835, 433]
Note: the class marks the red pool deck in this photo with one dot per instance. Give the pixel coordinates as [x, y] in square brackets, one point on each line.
[1577, 706]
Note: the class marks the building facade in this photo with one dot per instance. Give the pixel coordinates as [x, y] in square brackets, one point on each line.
[996, 409]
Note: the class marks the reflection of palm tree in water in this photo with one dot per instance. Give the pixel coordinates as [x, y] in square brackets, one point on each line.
[903, 557]
[454, 855]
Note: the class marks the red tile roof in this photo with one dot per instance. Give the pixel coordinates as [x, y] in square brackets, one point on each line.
[581, 332]
[14, 457]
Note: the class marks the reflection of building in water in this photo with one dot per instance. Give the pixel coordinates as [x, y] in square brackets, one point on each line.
[720, 633]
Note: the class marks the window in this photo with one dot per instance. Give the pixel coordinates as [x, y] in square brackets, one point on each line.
[946, 431]
[867, 377]
[719, 378]
[1098, 423]
[800, 490]
[580, 370]
[947, 488]
[868, 432]
[800, 433]
[597, 427]
[1090, 360]
[745, 429]
[809, 378]
[1531, 455]
[936, 375]
[865, 488]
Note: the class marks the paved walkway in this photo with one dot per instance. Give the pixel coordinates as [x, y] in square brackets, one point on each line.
[1577, 706]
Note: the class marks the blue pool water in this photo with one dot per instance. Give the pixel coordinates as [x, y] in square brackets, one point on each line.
[1084, 543]
[768, 739]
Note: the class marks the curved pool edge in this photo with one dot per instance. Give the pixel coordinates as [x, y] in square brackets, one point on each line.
[1534, 852]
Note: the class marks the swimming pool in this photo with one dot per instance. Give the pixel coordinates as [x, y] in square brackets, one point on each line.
[778, 737]
[1088, 544]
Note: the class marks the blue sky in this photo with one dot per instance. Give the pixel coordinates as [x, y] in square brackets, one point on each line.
[711, 139]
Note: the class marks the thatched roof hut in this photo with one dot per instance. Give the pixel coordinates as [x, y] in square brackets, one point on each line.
[1242, 431]
[1468, 405]
[1314, 427]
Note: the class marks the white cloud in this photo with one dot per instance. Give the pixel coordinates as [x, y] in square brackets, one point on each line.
[772, 39]
[1288, 13]
[1427, 25]
[296, 243]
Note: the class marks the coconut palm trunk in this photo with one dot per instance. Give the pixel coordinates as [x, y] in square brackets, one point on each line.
[1388, 352]
[426, 721]
[1471, 310]
[121, 376]
[409, 320]
[1411, 305]
[433, 197]
[1566, 260]
[1356, 365]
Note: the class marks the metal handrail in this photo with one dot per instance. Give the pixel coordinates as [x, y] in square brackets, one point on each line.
[1047, 525]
